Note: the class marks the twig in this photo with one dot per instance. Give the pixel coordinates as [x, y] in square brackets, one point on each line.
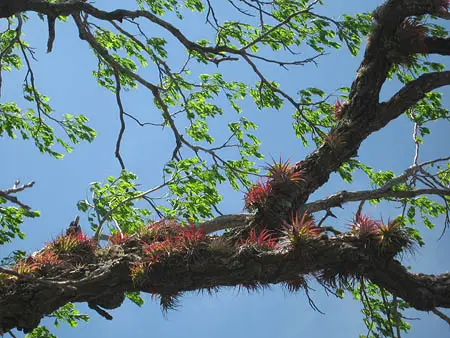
[122, 121]
[6, 194]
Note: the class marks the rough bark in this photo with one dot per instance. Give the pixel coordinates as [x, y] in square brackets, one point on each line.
[208, 266]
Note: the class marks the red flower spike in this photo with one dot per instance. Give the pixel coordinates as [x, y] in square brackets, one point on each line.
[364, 226]
[264, 238]
[257, 196]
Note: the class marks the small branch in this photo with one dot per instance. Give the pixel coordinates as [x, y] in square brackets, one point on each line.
[100, 311]
[6, 194]
[441, 315]
[122, 121]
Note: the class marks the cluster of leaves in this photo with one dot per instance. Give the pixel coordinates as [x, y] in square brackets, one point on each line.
[67, 313]
[383, 313]
[11, 218]
[115, 200]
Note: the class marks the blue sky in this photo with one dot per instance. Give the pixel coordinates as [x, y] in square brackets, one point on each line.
[65, 76]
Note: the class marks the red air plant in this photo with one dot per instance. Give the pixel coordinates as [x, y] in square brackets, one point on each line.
[47, 258]
[257, 196]
[338, 109]
[283, 172]
[301, 229]
[119, 238]
[364, 226]
[190, 235]
[71, 241]
[264, 239]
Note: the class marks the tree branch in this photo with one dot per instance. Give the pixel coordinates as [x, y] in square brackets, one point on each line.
[107, 277]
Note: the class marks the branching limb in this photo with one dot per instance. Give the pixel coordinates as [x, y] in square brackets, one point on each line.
[6, 194]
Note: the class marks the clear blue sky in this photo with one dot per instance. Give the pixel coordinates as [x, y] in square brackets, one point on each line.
[65, 76]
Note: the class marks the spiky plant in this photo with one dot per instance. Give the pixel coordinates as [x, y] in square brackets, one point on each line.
[118, 238]
[410, 37]
[264, 239]
[338, 110]
[282, 172]
[300, 229]
[364, 227]
[70, 242]
[294, 285]
[25, 266]
[45, 259]
[394, 238]
[257, 196]
[190, 236]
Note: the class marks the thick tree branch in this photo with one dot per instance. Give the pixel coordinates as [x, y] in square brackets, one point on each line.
[411, 93]
[102, 282]
[437, 45]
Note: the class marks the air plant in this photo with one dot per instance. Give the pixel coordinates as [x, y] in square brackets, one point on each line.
[364, 227]
[300, 229]
[118, 238]
[334, 140]
[70, 242]
[393, 237]
[25, 266]
[282, 172]
[45, 259]
[257, 196]
[190, 235]
[263, 238]
[137, 270]
[338, 110]
[411, 35]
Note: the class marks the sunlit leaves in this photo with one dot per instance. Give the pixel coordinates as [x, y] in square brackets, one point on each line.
[69, 314]
[195, 191]
[383, 313]
[35, 125]
[116, 198]
[352, 29]
[40, 332]
[10, 220]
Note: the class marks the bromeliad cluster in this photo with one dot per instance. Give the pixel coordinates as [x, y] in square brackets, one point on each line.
[281, 177]
[164, 238]
[70, 248]
[390, 238]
